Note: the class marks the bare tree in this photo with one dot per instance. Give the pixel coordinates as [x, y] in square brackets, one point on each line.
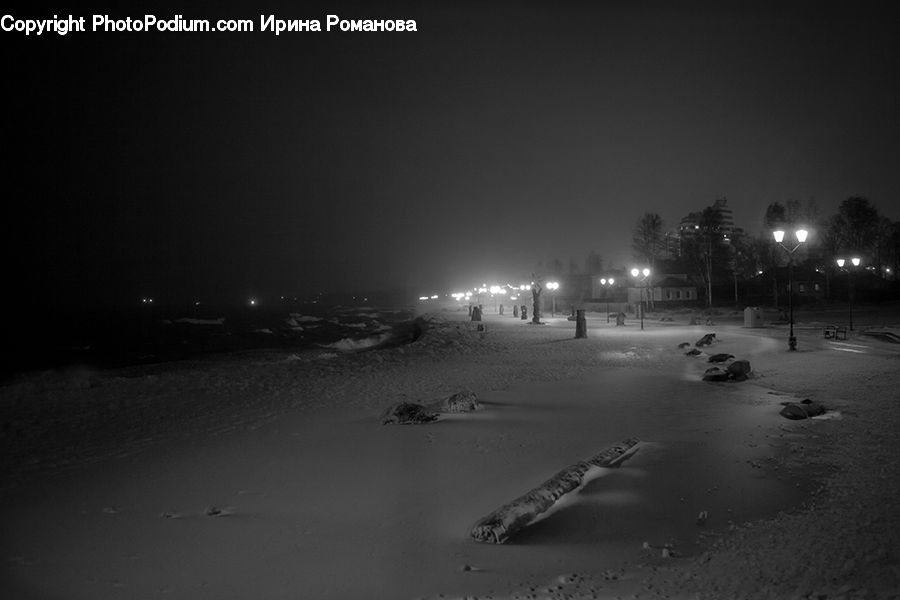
[706, 247]
[855, 227]
[648, 243]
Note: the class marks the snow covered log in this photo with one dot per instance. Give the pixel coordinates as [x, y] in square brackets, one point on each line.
[497, 527]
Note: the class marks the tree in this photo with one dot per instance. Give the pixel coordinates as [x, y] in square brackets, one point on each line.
[593, 264]
[647, 242]
[647, 239]
[743, 261]
[855, 227]
[555, 268]
[706, 247]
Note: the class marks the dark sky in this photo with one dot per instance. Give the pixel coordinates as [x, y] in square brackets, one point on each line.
[497, 135]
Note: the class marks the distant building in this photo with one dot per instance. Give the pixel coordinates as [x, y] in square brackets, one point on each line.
[667, 289]
[675, 241]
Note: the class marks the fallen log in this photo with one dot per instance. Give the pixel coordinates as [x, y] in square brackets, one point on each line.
[497, 527]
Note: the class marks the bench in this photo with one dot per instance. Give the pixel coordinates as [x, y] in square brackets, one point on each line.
[835, 332]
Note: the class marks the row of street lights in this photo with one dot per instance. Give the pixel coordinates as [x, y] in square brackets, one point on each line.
[801, 235]
[642, 275]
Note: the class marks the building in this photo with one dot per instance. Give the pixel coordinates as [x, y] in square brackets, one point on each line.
[668, 289]
[689, 228]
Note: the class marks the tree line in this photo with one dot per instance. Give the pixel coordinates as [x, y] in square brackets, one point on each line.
[711, 252]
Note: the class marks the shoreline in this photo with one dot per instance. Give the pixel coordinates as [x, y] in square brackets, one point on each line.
[507, 359]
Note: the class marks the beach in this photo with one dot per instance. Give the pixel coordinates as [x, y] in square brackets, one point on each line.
[269, 473]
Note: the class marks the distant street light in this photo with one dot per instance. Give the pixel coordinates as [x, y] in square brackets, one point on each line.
[607, 282]
[635, 272]
[800, 234]
[552, 286]
[855, 262]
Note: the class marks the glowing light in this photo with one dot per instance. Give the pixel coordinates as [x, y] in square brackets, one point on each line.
[801, 235]
[423, 297]
[779, 235]
[435, 297]
[840, 262]
[552, 285]
[855, 261]
[253, 302]
[635, 272]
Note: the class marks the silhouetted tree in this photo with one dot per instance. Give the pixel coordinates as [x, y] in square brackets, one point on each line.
[855, 227]
[647, 240]
[706, 246]
[593, 264]
[648, 243]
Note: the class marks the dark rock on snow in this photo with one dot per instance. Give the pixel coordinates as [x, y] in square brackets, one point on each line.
[720, 358]
[736, 371]
[408, 413]
[684, 345]
[412, 413]
[692, 352]
[464, 401]
[802, 410]
[706, 340]
[739, 370]
[715, 374]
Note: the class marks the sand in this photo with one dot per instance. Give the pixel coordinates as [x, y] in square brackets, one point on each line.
[269, 475]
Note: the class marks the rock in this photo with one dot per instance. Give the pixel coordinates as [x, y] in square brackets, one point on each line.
[706, 340]
[683, 345]
[739, 370]
[720, 358]
[692, 352]
[715, 374]
[802, 410]
[408, 413]
[464, 401]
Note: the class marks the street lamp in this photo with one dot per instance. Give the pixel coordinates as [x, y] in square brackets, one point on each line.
[552, 286]
[635, 272]
[607, 282]
[800, 234]
[855, 262]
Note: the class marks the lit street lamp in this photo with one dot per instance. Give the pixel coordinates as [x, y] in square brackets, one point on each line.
[635, 272]
[800, 234]
[855, 262]
[552, 286]
[607, 282]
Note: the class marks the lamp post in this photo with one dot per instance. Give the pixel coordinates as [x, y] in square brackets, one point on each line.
[552, 286]
[800, 234]
[855, 262]
[635, 272]
[607, 282]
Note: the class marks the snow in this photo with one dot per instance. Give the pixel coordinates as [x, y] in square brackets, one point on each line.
[358, 344]
[194, 321]
[268, 474]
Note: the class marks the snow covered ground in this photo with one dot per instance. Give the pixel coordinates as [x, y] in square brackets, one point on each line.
[269, 475]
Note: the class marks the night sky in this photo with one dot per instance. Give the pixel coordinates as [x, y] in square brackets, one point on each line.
[498, 135]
